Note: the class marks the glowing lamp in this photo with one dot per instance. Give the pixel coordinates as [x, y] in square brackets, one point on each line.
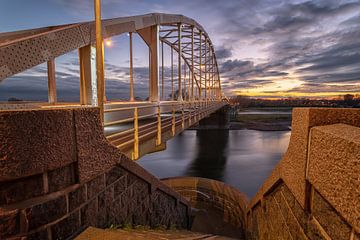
[108, 42]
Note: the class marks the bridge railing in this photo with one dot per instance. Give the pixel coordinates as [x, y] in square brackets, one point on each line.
[127, 126]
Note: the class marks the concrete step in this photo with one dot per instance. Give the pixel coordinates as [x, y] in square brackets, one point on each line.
[92, 233]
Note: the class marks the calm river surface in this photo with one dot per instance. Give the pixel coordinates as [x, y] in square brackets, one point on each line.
[241, 158]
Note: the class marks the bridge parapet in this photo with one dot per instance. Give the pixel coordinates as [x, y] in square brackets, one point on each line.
[59, 175]
[313, 193]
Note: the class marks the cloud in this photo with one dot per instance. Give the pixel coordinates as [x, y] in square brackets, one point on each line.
[223, 53]
[258, 43]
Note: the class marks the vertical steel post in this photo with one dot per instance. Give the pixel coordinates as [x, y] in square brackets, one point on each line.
[135, 154]
[151, 36]
[206, 69]
[99, 59]
[189, 85]
[154, 64]
[51, 81]
[173, 126]
[212, 76]
[158, 139]
[131, 68]
[182, 116]
[88, 80]
[172, 74]
[184, 83]
[200, 60]
[162, 71]
[180, 98]
[192, 63]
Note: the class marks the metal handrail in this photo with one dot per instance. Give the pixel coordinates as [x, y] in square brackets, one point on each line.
[181, 114]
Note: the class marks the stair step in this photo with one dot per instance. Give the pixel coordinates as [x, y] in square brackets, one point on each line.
[92, 233]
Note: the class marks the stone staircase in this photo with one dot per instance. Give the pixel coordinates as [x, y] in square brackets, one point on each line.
[92, 233]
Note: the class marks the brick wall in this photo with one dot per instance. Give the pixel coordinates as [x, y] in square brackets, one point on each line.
[45, 201]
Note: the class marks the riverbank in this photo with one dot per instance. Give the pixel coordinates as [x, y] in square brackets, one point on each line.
[262, 119]
[261, 126]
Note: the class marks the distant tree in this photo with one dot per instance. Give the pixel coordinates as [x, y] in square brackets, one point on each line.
[348, 97]
[241, 101]
[138, 99]
[14, 99]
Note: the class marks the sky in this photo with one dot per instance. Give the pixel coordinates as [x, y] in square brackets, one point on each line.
[265, 48]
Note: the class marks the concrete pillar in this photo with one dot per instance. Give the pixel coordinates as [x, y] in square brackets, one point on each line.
[180, 98]
[88, 82]
[131, 68]
[100, 71]
[151, 37]
[51, 81]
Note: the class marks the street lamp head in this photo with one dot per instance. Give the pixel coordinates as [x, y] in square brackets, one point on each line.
[108, 42]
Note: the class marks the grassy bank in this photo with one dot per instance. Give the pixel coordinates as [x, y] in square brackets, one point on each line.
[264, 119]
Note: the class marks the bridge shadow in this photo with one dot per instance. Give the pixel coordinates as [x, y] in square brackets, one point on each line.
[211, 155]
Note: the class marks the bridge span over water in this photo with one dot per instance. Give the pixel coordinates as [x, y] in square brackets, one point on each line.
[194, 82]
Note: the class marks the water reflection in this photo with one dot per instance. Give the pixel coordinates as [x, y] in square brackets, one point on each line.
[241, 158]
[210, 159]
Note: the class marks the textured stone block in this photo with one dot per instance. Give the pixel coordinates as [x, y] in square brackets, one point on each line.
[356, 236]
[42, 234]
[114, 174]
[35, 141]
[46, 212]
[120, 186]
[131, 179]
[278, 225]
[334, 168]
[95, 186]
[313, 231]
[293, 225]
[66, 227]
[9, 223]
[61, 178]
[93, 161]
[295, 207]
[105, 201]
[21, 189]
[76, 198]
[89, 214]
[330, 220]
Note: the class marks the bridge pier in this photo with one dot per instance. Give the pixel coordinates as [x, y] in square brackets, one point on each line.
[216, 120]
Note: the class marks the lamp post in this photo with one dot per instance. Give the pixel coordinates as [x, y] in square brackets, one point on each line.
[99, 58]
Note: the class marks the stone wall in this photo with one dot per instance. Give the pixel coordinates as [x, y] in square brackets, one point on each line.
[313, 193]
[58, 175]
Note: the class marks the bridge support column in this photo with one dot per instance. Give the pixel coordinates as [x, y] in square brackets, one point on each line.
[151, 37]
[51, 82]
[88, 87]
[131, 68]
[180, 98]
[200, 66]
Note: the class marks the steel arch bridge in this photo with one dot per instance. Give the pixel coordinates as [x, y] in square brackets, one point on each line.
[195, 92]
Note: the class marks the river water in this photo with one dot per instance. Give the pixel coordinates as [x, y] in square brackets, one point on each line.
[240, 158]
